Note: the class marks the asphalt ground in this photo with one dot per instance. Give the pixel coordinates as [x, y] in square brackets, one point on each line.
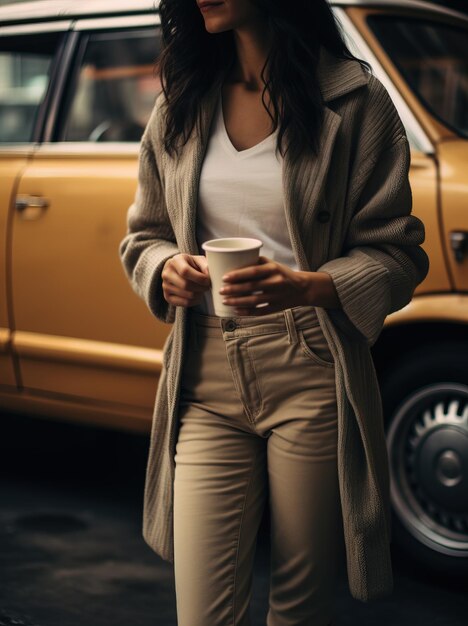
[72, 553]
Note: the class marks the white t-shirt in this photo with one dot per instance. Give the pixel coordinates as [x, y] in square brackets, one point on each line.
[241, 195]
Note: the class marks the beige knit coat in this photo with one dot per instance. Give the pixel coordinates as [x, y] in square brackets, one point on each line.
[349, 214]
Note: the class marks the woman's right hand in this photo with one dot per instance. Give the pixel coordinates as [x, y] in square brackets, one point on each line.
[184, 279]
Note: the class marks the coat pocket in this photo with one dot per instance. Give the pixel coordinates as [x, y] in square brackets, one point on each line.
[314, 345]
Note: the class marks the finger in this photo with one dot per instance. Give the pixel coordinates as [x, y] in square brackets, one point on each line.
[249, 272]
[202, 261]
[184, 268]
[189, 296]
[172, 276]
[251, 300]
[269, 284]
[261, 310]
[261, 261]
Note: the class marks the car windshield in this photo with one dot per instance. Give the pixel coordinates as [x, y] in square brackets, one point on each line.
[433, 58]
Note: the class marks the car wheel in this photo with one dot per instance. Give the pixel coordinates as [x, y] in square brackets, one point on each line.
[425, 399]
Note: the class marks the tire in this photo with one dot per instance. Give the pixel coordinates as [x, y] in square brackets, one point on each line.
[425, 400]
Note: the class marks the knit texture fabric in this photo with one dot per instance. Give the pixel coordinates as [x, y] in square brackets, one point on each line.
[370, 246]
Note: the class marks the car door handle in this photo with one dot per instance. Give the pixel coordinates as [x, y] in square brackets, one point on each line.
[31, 207]
[458, 243]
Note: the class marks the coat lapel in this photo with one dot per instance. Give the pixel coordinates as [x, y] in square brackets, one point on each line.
[303, 184]
[194, 153]
[303, 181]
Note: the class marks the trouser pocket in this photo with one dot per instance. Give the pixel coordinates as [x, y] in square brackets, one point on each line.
[304, 328]
[315, 346]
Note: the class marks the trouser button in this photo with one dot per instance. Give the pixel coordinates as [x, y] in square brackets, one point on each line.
[230, 325]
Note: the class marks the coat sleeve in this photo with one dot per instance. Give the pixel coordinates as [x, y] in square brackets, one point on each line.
[383, 261]
[149, 240]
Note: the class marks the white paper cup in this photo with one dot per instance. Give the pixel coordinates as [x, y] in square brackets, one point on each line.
[223, 255]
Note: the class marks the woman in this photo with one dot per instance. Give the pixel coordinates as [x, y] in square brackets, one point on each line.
[268, 127]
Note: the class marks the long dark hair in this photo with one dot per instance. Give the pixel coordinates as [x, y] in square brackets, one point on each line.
[192, 58]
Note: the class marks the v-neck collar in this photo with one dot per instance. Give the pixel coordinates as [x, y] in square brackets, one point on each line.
[303, 179]
[238, 154]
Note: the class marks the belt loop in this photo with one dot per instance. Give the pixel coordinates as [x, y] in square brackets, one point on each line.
[291, 325]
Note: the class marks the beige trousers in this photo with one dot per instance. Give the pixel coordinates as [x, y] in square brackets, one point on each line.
[258, 416]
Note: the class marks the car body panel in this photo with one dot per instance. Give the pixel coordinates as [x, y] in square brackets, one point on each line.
[36, 11]
[453, 159]
[85, 334]
[424, 188]
[12, 163]
[445, 307]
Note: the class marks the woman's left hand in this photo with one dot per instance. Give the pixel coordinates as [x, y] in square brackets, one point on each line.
[281, 287]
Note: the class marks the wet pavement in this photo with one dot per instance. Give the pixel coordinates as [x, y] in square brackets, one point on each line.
[72, 554]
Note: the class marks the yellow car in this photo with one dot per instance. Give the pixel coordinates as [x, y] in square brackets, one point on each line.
[77, 85]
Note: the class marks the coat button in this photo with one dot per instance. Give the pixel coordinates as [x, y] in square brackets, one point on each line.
[230, 325]
[323, 216]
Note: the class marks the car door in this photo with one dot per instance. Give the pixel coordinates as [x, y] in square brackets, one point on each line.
[425, 54]
[27, 63]
[430, 54]
[81, 333]
[423, 168]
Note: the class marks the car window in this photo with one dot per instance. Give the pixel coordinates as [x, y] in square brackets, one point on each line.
[25, 69]
[433, 59]
[115, 87]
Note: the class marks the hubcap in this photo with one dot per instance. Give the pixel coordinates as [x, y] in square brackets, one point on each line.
[428, 451]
